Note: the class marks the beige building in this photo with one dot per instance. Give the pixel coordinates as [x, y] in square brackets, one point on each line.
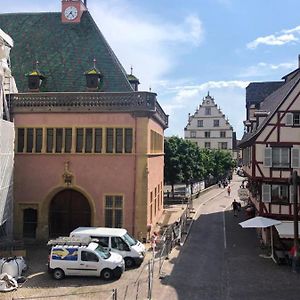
[209, 127]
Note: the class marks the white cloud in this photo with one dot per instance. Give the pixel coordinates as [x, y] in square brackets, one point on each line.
[272, 40]
[280, 38]
[265, 69]
[144, 41]
[293, 30]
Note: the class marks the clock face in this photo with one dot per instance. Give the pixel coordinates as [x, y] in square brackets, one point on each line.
[71, 12]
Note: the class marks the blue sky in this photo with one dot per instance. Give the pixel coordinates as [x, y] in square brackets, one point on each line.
[183, 49]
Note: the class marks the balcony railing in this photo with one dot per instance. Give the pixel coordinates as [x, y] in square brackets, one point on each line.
[137, 102]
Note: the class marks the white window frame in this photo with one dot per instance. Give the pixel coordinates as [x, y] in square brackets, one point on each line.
[207, 134]
[207, 111]
[199, 123]
[193, 134]
[280, 165]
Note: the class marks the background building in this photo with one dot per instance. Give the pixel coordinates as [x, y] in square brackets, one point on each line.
[209, 128]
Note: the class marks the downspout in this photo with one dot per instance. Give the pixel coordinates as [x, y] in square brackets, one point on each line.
[134, 174]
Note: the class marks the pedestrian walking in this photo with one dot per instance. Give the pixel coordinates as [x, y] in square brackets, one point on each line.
[228, 190]
[235, 207]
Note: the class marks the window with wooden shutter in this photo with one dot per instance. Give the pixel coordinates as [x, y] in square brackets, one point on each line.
[295, 158]
[266, 193]
[268, 157]
[289, 119]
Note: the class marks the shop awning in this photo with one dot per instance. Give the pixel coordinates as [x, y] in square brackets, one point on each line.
[286, 229]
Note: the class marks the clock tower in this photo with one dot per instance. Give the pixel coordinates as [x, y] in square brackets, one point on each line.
[72, 10]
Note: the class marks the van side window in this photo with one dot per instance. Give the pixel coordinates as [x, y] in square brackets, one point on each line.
[102, 241]
[118, 243]
[88, 256]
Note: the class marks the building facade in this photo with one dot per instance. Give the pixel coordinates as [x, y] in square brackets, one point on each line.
[89, 145]
[208, 127]
[7, 86]
[271, 152]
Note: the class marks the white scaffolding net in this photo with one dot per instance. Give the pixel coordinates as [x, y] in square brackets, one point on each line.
[6, 139]
[6, 175]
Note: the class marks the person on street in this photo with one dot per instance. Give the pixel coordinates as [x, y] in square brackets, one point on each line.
[228, 190]
[235, 207]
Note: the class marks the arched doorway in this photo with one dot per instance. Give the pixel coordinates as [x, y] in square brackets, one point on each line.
[68, 210]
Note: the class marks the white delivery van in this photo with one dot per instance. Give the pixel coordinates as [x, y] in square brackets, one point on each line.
[116, 240]
[83, 257]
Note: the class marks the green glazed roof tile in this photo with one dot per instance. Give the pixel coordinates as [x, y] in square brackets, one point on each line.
[64, 52]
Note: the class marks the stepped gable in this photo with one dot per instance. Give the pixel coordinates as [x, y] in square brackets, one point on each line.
[64, 51]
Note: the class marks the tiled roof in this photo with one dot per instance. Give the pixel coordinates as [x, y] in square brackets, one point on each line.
[256, 92]
[64, 52]
[271, 104]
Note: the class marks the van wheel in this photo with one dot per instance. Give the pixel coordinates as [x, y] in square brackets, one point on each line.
[129, 262]
[107, 274]
[58, 274]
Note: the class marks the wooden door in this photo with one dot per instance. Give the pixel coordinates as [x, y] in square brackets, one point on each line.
[69, 209]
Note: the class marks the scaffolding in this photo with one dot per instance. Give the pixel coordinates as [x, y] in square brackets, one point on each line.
[7, 86]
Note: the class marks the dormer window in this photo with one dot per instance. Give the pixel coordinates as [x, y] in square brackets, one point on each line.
[35, 79]
[93, 78]
[134, 82]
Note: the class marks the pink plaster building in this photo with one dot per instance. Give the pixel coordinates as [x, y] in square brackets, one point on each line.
[89, 145]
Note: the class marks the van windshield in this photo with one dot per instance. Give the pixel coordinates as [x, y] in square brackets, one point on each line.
[105, 254]
[131, 241]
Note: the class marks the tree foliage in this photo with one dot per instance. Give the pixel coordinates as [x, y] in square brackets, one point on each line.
[186, 162]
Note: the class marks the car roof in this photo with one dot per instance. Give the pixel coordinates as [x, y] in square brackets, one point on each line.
[99, 231]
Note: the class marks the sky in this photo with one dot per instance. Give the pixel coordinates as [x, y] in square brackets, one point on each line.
[183, 49]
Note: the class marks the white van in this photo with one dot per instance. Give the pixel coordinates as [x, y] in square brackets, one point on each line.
[78, 257]
[116, 240]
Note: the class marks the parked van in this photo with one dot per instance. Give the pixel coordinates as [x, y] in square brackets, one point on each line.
[83, 257]
[116, 240]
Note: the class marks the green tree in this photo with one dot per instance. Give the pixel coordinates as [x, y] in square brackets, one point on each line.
[186, 162]
[172, 170]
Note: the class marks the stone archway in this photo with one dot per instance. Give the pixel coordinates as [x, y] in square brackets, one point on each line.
[68, 210]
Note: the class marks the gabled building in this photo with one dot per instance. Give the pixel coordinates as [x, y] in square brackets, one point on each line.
[208, 127]
[7, 86]
[89, 145]
[271, 150]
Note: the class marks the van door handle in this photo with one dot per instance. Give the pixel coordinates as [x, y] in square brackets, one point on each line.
[82, 264]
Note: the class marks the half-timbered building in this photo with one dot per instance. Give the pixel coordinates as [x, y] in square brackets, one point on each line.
[271, 150]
